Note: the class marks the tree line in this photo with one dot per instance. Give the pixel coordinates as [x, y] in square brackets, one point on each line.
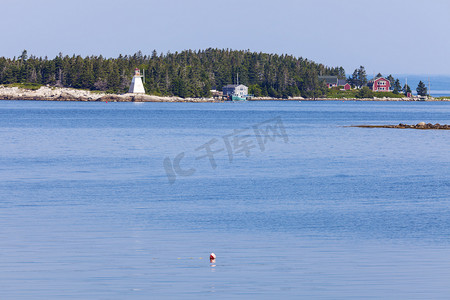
[186, 74]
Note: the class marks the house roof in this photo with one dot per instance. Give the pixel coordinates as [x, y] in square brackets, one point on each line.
[233, 86]
[230, 86]
[342, 82]
[329, 79]
[377, 78]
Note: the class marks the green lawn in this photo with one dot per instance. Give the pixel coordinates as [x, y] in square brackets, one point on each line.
[352, 94]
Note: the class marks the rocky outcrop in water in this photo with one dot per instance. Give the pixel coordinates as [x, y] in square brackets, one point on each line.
[421, 125]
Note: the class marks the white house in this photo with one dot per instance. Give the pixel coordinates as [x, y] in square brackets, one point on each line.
[235, 90]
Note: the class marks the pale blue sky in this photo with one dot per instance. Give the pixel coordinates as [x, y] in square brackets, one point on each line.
[387, 36]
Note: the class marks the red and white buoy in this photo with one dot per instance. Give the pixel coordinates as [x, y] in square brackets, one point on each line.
[212, 256]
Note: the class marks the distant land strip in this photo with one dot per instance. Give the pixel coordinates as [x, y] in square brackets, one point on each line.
[46, 93]
[421, 125]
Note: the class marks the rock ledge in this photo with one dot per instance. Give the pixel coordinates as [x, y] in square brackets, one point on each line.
[421, 125]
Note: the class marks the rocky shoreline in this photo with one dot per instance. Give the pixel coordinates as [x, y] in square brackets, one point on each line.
[67, 94]
[421, 125]
[46, 93]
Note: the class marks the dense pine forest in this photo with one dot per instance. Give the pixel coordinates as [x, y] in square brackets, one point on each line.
[185, 74]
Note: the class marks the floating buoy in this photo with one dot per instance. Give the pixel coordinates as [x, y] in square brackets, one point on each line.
[212, 256]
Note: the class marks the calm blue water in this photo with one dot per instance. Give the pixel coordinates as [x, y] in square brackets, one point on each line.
[87, 210]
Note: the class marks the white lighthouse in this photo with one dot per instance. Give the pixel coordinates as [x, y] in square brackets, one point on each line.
[136, 86]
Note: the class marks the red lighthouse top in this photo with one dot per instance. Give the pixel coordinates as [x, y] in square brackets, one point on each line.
[137, 72]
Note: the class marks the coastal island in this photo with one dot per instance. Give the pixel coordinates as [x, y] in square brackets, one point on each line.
[193, 76]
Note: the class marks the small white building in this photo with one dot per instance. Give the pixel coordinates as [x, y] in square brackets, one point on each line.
[137, 87]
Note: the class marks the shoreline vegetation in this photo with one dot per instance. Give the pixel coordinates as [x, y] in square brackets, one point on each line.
[47, 93]
[190, 76]
[185, 74]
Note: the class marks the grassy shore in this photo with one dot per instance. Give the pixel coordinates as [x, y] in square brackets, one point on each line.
[25, 86]
[335, 93]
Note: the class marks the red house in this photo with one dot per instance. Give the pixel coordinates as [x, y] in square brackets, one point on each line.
[379, 84]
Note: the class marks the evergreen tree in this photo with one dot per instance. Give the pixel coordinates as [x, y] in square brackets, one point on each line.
[397, 86]
[24, 55]
[353, 80]
[341, 73]
[391, 81]
[362, 76]
[406, 89]
[421, 89]
[359, 77]
[365, 92]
